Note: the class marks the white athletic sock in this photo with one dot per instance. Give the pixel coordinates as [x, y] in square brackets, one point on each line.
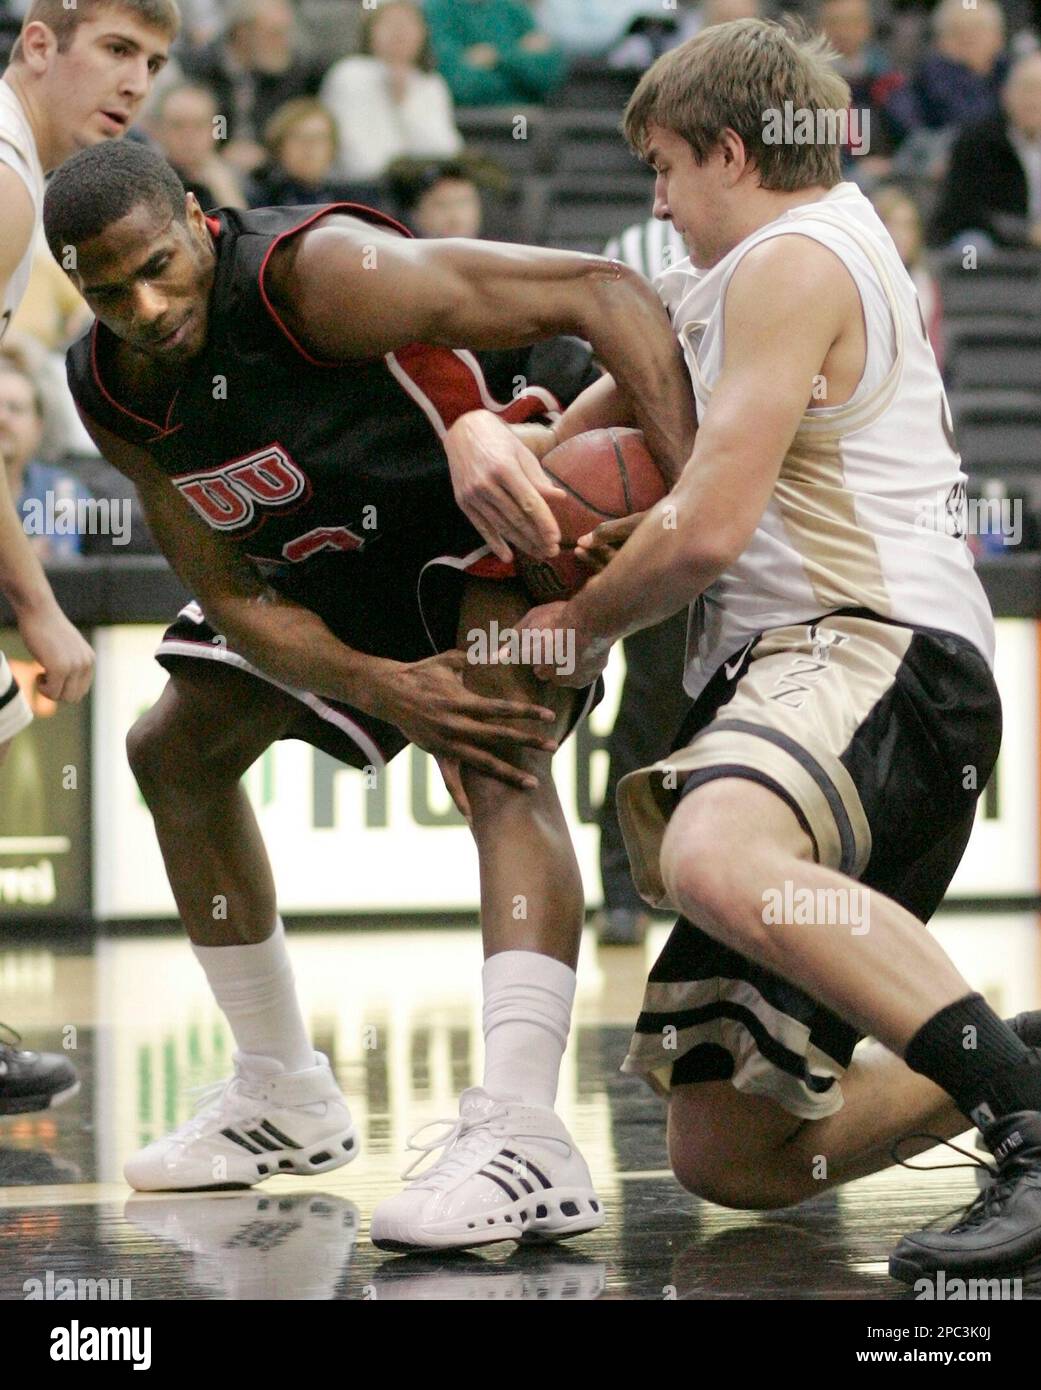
[527, 1015]
[254, 987]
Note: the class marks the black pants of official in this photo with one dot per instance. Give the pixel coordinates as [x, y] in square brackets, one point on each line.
[653, 705]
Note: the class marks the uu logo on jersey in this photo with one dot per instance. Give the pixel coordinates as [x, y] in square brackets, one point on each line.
[227, 497]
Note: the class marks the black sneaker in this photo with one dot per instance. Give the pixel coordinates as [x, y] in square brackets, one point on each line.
[1001, 1230]
[32, 1080]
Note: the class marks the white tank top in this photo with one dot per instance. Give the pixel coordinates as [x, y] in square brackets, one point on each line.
[868, 510]
[18, 151]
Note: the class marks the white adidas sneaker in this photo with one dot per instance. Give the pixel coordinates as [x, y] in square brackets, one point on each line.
[509, 1171]
[265, 1120]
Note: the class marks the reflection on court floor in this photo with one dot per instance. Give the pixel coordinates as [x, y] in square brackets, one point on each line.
[398, 1014]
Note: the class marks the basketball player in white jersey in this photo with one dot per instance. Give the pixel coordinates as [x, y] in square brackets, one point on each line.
[78, 74]
[822, 792]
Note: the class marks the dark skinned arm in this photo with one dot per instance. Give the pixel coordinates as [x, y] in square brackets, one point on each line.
[349, 290]
[426, 700]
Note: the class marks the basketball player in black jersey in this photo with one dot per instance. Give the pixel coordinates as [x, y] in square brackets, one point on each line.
[281, 386]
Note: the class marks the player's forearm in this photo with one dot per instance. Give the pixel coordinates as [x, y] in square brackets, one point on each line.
[22, 579]
[662, 568]
[631, 335]
[600, 406]
[293, 645]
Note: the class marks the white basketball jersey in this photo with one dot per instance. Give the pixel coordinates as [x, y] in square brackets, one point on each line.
[18, 150]
[868, 511]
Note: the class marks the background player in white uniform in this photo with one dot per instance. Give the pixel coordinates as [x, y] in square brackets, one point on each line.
[846, 717]
[77, 75]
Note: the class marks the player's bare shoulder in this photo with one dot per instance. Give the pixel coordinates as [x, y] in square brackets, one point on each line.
[17, 204]
[300, 265]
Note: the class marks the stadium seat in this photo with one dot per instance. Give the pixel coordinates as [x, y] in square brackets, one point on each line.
[589, 142]
[584, 211]
[999, 353]
[590, 85]
[518, 139]
[1005, 283]
[998, 432]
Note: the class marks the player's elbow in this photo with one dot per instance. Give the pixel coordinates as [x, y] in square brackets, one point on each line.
[613, 291]
[710, 552]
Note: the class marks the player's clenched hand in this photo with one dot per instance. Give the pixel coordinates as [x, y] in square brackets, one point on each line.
[429, 702]
[579, 657]
[67, 660]
[500, 486]
[599, 546]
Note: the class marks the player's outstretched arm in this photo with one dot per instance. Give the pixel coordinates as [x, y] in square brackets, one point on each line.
[766, 383]
[67, 660]
[349, 291]
[427, 700]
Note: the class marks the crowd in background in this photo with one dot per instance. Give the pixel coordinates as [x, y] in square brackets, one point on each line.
[310, 101]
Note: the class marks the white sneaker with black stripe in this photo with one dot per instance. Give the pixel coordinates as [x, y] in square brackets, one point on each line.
[509, 1171]
[263, 1121]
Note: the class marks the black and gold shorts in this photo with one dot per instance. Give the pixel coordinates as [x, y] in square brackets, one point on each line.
[881, 738]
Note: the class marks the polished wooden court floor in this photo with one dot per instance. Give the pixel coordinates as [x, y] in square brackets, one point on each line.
[398, 1013]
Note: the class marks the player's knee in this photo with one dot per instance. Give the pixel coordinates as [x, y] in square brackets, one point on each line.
[726, 1180]
[158, 755]
[708, 873]
[489, 796]
[697, 872]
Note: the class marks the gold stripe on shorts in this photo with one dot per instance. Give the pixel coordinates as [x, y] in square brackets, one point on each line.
[806, 691]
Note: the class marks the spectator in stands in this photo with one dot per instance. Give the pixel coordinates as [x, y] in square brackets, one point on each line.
[441, 198]
[183, 123]
[591, 28]
[903, 221]
[491, 52]
[387, 101]
[201, 20]
[41, 493]
[253, 68]
[849, 26]
[301, 140]
[650, 39]
[959, 80]
[992, 192]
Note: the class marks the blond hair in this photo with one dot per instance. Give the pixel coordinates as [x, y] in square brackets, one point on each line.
[736, 76]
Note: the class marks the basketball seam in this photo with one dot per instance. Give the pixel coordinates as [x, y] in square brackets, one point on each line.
[623, 472]
[608, 516]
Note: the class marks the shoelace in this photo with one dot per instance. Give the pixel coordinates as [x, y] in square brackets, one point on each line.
[990, 1200]
[204, 1098]
[457, 1141]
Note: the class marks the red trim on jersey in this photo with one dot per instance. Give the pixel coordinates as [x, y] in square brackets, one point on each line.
[371, 215]
[449, 383]
[491, 567]
[161, 431]
[213, 226]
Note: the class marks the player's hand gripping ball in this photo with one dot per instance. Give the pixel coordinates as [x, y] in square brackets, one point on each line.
[607, 475]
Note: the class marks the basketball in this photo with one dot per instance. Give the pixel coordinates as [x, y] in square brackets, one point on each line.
[607, 475]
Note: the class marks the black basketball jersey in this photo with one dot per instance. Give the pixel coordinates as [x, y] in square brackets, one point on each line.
[285, 455]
